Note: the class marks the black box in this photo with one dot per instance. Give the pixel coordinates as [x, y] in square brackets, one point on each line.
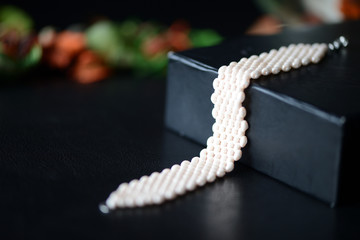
[304, 124]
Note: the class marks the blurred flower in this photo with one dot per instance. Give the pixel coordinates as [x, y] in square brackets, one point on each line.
[19, 49]
[350, 9]
[89, 68]
[91, 54]
[300, 12]
[143, 46]
[104, 38]
[178, 36]
[61, 48]
[16, 19]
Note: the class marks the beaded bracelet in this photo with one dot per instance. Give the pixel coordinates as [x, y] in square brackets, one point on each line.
[224, 147]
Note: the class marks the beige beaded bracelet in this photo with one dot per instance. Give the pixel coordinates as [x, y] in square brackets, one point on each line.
[224, 147]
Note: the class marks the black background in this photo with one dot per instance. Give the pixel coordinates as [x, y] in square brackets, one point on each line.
[64, 147]
[228, 17]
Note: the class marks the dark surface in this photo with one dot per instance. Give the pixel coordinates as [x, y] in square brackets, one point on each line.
[303, 123]
[64, 147]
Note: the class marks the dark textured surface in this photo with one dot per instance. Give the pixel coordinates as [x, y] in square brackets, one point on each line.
[64, 147]
[301, 122]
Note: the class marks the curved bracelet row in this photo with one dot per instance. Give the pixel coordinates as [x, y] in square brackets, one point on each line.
[224, 147]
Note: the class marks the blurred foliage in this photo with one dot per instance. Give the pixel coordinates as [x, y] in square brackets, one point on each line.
[15, 18]
[91, 54]
[19, 50]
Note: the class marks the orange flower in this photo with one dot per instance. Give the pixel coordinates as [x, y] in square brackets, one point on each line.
[178, 40]
[155, 45]
[70, 42]
[63, 47]
[178, 35]
[89, 68]
[350, 9]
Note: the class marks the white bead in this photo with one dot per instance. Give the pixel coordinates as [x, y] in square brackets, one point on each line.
[201, 181]
[129, 202]
[222, 70]
[210, 140]
[240, 98]
[315, 59]
[265, 71]
[211, 177]
[157, 199]
[305, 61]
[263, 55]
[120, 202]
[243, 141]
[275, 69]
[175, 167]
[139, 201]
[244, 83]
[169, 195]
[255, 74]
[220, 173]
[213, 98]
[111, 201]
[296, 63]
[190, 186]
[244, 125]
[242, 113]
[216, 83]
[286, 67]
[122, 187]
[229, 167]
[238, 154]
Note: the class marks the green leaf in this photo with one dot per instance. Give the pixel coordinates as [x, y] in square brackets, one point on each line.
[204, 38]
[15, 18]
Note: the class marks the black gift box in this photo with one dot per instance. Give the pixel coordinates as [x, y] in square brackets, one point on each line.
[304, 124]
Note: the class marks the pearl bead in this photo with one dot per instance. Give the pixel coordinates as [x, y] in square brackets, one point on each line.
[201, 181]
[240, 98]
[222, 70]
[220, 173]
[238, 154]
[139, 201]
[244, 83]
[210, 140]
[255, 74]
[175, 167]
[211, 178]
[190, 186]
[111, 201]
[315, 59]
[242, 113]
[286, 67]
[157, 199]
[244, 125]
[275, 69]
[265, 71]
[296, 63]
[229, 167]
[120, 202]
[169, 195]
[305, 61]
[129, 202]
[263, 55]
[243, 141]
[122, 187]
